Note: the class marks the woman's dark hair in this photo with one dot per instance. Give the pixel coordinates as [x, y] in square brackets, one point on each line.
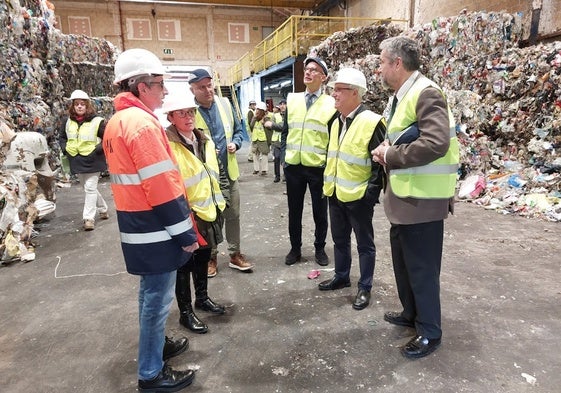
[90, 110]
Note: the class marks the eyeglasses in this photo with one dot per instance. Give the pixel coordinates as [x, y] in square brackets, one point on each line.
[312, 70]
[161, 84]
[181, 114]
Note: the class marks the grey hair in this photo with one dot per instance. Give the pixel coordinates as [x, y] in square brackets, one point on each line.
[404, 47]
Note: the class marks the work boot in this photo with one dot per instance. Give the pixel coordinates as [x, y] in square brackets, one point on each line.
[168, 380]
[238, 261]
[210, 306]
[200, 282]
[321, 257]
[173, 347]
[192, 322]
[187, 317]
[89, 225]
[293, 256]
[212, 267]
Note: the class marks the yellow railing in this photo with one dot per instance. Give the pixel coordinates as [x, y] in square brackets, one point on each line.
[293, 38]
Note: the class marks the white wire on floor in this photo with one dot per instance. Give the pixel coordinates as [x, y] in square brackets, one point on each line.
[83, 275]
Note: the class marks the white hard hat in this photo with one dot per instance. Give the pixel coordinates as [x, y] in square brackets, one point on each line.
[351, 76]
[261, 105]
[79, 95]
[178, 101]
[136, 62]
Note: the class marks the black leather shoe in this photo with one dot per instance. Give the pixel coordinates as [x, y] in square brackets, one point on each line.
[334, 283]
[396, 318]
[209, 306]
[192, 322]
[419, 347]
[362, 299]
[174, 347]
[293, 256]
[168, 380]
[277, 179]
[321, 257]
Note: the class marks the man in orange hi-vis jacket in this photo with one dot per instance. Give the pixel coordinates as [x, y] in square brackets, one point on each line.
[157, 233]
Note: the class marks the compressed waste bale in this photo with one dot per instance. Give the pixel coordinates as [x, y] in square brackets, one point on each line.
[506, 100]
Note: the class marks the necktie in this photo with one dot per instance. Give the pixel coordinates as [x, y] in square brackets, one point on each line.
[392, 110]
[310, 99]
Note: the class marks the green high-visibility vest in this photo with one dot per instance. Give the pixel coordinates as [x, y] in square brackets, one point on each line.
[200, 180]
[308, 136]
[258, 132]
[83, 139]
[349, 163]
[277, 134]
[227, 117]
[436, 180]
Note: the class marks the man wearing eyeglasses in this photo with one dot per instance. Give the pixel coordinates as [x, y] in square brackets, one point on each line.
[217, 119]
[304, 141]
[353, 183]
[157, 233]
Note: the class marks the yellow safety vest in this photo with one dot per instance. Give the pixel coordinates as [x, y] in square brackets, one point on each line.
[436, 180]
[276, 134]
[82, 140]
[200, 180]
[308, 136]
[227, 117]
[349, 164]
[258, 132]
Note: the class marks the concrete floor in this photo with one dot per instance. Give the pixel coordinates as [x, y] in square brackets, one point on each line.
[68, 320]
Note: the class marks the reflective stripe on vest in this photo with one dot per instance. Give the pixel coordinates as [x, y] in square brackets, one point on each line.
[349, 165]
[308, 136]
[82, 140]
[158, 236]
[436, 180]
[227, 117]
[201, 183]
[143, 173]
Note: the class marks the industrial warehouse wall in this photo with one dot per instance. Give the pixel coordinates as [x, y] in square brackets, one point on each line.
[218, 36]
[206, 35]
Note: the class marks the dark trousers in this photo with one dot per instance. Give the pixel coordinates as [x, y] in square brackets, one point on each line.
[198, 267]
[277, 158]
[298, 178]
[356, 217]
[417, 258]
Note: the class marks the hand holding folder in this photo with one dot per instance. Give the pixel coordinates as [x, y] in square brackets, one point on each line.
[408, 135]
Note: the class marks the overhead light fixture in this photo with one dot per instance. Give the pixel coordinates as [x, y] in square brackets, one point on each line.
[286, 83]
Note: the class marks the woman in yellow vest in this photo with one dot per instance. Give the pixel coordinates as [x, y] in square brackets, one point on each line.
[80, 139]
[259, 144]
[276, 124]
[207, 189]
